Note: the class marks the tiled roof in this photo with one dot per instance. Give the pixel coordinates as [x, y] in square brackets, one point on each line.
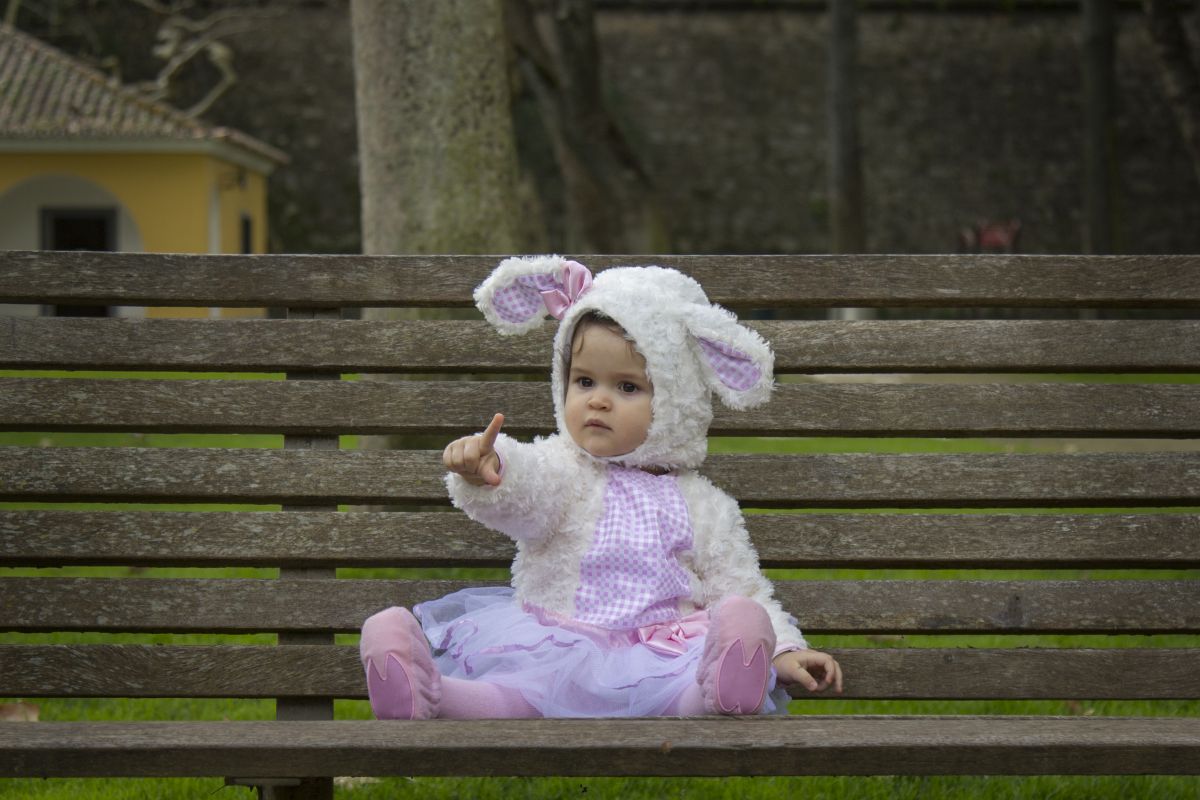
[46, 94]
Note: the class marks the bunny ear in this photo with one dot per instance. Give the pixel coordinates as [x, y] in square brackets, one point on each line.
[516, 297]
[736, 362]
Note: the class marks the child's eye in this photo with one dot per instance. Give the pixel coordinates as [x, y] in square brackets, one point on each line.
[584, 383]
[627, 387]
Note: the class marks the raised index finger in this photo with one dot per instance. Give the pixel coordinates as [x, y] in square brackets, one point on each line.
[489, 435]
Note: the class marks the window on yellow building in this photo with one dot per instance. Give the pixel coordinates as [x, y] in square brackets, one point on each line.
[247, 234]
[79, 229]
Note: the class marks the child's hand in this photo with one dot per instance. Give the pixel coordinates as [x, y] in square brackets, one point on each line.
[814, 670]
[474, 457]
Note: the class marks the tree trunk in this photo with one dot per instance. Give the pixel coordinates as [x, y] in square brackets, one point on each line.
[1180, 76]
[847, 231]
[847, 227]
[435, 139]
[1099, 88]
[610, 204]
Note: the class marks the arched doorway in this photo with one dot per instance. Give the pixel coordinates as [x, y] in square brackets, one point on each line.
[64, 212]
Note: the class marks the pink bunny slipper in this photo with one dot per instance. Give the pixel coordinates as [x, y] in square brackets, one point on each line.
[402, 681]
[735, 668]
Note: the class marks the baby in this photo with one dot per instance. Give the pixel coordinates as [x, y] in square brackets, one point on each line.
[635, 591]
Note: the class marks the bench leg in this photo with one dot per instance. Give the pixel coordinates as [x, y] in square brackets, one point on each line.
[287, 788]
[308, 789]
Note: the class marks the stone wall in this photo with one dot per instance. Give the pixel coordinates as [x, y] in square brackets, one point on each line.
[963, 117]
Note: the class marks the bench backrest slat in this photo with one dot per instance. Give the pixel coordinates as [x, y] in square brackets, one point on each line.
[294, 281]
[424, 539]
[304, 671]
[316, 408]
[472, 346]
[883, 606]
[854, 480]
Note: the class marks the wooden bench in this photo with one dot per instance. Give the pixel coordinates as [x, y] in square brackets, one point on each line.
[1109, 509]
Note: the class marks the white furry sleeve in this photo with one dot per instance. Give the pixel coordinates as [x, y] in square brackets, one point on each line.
[536, 486]
[725, 560]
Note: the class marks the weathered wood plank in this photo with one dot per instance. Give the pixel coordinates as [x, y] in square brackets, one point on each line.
[868, 479]
[239, 606]
[320, 671]
[98, 474]
[310, 539]
[800, 745]
[471, 346]
[1016, 674]
[454, 408]
[299, 281]
[431, 539]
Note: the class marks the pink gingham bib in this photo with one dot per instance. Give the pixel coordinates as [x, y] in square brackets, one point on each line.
[630, 576]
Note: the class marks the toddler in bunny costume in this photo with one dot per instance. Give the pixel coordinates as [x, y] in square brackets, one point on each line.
[635, 590]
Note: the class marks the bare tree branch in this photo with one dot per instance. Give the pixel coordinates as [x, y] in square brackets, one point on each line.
[181, 39]
[221, 57]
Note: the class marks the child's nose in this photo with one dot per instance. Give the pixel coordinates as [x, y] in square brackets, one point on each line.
[599, 399]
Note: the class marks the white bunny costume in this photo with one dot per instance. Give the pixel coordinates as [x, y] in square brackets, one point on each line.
[616, 567]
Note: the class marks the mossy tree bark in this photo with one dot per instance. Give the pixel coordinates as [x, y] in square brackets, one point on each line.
[438, 160]
[1099, 146]
[437, 156]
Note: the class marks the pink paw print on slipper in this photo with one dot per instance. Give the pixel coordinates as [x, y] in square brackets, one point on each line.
[735, 668]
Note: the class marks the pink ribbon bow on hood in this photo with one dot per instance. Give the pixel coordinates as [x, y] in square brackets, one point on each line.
[575, 281]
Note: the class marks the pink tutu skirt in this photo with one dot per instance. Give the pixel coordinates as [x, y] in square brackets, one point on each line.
[563, 669]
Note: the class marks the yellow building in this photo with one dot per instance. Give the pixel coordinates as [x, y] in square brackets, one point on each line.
[88, 165]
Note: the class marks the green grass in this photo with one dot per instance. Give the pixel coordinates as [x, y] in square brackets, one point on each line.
[993, 788]
[884, 788]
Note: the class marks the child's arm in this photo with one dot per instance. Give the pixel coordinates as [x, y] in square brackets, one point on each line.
[727, 564]
[521, 490]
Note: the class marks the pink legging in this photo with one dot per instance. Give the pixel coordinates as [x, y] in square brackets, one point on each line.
[482, 700]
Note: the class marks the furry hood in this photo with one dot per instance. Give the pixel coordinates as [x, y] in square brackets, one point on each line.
[692, 347]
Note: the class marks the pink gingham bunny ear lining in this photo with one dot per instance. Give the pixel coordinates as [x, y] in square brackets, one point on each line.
[737, 363]
[519, 293]
[732, 367]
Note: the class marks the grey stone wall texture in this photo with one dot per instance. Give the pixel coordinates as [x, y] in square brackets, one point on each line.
[962, 117]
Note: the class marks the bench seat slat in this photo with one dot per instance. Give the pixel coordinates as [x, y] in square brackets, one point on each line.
[319, 671]
[428, 539]
[453, 408]
[471, 346]
[800, 745]
[907, 606]
[297, 281]
[124, 474]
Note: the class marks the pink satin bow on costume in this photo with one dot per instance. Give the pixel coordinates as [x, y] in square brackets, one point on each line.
[670, 638]
[576, 280]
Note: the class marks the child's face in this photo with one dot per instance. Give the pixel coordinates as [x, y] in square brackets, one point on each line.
[607, 407]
